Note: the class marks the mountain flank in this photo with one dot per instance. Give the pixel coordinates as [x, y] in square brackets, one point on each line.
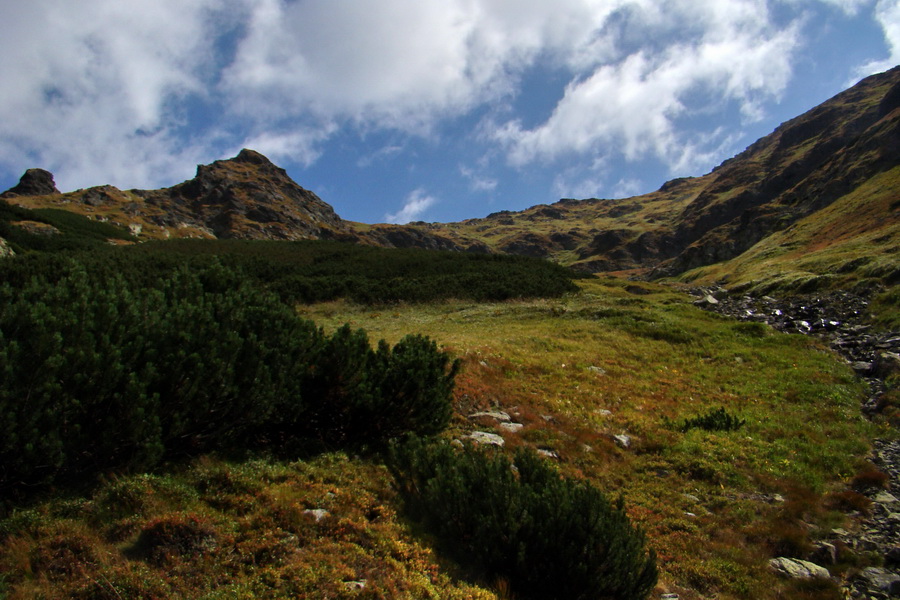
[822, 185]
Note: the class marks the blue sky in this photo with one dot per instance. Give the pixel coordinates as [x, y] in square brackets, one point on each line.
[434, 110]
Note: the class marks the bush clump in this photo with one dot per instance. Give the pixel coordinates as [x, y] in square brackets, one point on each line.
[717, 419]
[98, 375]
[548, 536]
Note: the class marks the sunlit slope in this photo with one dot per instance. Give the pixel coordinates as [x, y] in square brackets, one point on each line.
[852, 243]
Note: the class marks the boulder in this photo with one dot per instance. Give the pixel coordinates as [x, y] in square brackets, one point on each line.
[882, 580]
[489, 439]
[794, 568]
[511, 427]
[886, 364]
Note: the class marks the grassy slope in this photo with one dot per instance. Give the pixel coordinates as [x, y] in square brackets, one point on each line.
[854, 242]
[707, 500]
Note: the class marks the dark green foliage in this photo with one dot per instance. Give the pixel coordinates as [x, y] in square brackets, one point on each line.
[370, 396]
[76, 232]
[97, 374]
[549, 536]
[715, 420]
[315, 271]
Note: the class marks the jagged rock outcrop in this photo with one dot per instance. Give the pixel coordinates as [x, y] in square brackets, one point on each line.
[247, 197]
[35, 182]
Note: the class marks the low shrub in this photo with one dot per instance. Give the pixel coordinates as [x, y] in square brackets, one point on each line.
[97, 375]
[715, 420]
[548, 536]
[176, 535]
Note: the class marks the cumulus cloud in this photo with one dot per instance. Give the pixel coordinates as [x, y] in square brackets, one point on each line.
[92, 89]
[136, 93]
[478, 182]
[416, 204]
[887, 13]
[633, 107]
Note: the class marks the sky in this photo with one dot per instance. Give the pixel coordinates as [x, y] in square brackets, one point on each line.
[433, 110]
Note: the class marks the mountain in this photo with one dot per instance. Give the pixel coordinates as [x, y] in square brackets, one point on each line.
[246, 197]
[821, 187]
[836, 163]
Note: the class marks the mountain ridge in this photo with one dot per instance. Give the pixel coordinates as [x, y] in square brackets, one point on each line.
[804, 166]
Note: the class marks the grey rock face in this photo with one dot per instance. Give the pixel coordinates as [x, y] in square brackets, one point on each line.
[35, 182]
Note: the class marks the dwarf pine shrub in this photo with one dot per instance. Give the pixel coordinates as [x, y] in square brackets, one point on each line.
[715, 420]
[97, 374]
[549, 536]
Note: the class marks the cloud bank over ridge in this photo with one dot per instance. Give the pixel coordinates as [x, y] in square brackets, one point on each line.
[136, 94]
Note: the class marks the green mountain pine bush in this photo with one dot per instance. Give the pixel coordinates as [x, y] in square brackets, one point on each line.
[98, 374]
[549, 536]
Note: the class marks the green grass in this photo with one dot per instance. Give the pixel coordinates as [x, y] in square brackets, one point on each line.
[851, 244]
[575, 371]
[662, 360]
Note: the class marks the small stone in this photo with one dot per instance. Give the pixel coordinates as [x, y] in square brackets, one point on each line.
[862, 368]
[824, 554]
[5, 249]
[548, 453]
[691, 497]
[797, 569]
[511, 427]
[884, 498]
[317, 513]
[604, 413]
[489, 439]
[355, 585]
[597, 370]
[669, 597]
[623, 440]
[497, 415]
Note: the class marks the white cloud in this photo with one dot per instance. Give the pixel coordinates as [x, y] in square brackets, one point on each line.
[110, 90]
[299, 146]
[416, 204]
[887, 14]
[626, 188]
[91, 89]
[478, 182]
[633, 107]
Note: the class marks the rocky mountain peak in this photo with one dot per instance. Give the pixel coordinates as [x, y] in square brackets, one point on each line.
[35, 182]
[252, 157]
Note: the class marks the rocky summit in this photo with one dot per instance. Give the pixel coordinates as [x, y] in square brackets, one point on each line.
[35, 182]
